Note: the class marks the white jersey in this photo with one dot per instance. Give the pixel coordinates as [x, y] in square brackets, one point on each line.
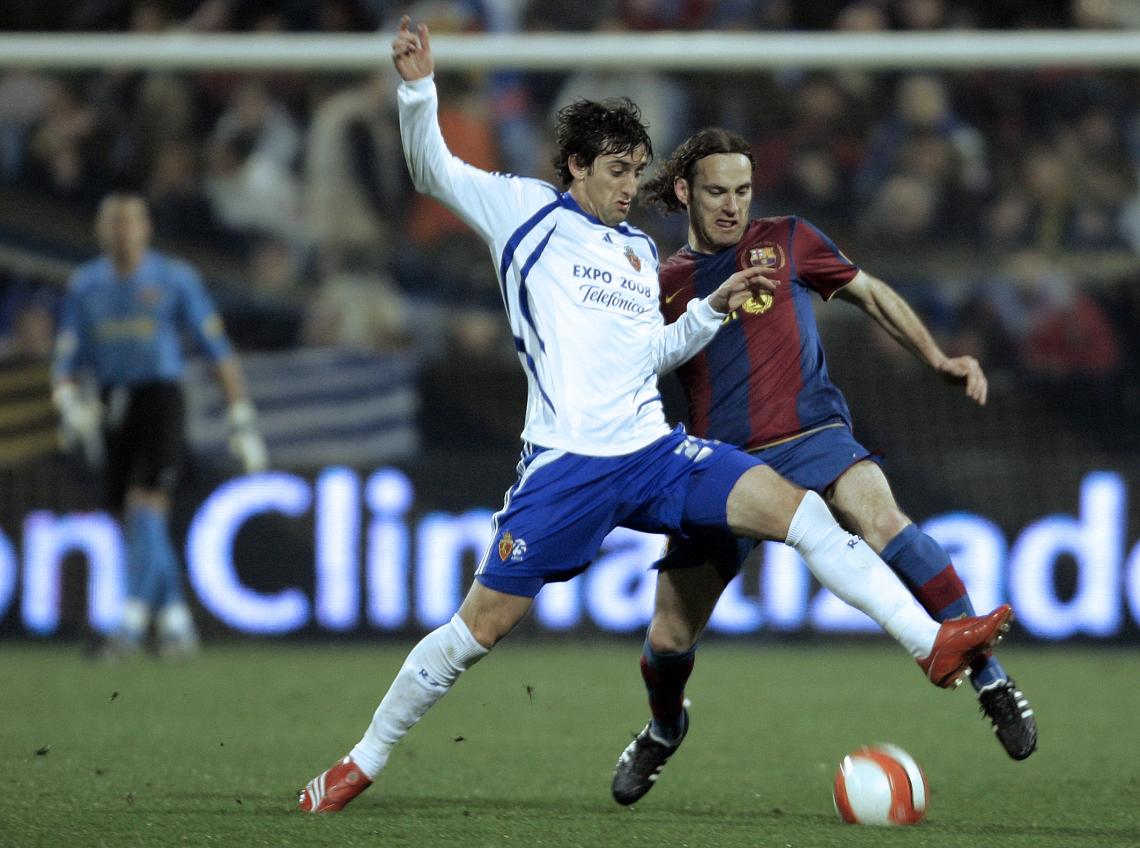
[581, 296]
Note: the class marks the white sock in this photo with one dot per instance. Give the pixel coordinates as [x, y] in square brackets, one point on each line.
[135, 620]
[428, 673]
[175, 622]
[848, 567]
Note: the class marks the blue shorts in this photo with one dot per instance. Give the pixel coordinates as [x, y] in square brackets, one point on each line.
[563, 505]
[814, 461]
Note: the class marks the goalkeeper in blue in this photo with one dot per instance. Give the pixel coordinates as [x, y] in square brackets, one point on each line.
[121, 329]
[580, 289]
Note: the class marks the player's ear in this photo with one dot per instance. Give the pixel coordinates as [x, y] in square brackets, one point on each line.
[681, 189]
[578, 168]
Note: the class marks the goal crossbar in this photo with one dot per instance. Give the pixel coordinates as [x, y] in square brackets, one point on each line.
[667, 51]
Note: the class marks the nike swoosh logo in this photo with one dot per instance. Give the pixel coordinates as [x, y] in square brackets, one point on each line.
[669, 297]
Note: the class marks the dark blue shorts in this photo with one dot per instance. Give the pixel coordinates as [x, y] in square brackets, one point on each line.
[563, 505]
[814, 461]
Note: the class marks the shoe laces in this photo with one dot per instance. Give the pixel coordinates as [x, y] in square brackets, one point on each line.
[999, 703]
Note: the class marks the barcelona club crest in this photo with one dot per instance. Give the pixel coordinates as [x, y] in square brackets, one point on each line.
[766, 256]
[633, 258]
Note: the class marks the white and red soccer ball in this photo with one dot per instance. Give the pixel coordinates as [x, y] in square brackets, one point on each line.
[880, 784]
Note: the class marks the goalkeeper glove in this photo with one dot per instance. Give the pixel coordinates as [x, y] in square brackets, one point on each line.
[79, 417]
[246, 443]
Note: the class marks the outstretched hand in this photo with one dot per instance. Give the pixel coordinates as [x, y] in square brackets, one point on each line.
[411, 51]
[967, 370]
[737, 289]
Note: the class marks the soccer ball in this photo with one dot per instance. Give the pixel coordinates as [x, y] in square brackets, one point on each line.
[880, 784]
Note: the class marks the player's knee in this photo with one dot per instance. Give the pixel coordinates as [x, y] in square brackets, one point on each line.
[885, 526]
[486, 633]
[762, 504]
[671, 635]
[490, 615]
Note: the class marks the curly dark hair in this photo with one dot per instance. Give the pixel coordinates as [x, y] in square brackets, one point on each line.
[683, 163]
[588, 129]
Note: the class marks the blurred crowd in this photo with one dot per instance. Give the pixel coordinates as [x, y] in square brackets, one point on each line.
[1005, 204]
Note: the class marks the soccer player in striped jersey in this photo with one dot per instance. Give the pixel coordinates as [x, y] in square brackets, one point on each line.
[122, 323]
[762, 383]
[581, 293]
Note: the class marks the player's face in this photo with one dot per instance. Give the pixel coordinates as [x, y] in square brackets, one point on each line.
[607, 188]
[718, 200]
[123, 227]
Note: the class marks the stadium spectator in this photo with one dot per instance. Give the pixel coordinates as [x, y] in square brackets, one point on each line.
[361, 311]
[175, 193]
[904, 211]
[1064, 198]
[27, 319]
[255, 117]
[68, 145]
[762, 383]
[251, 194]
[810, 158]
[24, 97]
[356, 184]
[121, 325]
[580, 289]
[1058, 330]
[927, 143]
[919, 15]
[162, 114]
[863, 16]
[1105, 14]
[1096, 153]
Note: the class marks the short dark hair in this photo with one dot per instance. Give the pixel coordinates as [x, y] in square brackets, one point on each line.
[683, 163]
[588, 129]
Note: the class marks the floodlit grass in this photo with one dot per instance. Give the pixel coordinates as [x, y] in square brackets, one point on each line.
[521, 753]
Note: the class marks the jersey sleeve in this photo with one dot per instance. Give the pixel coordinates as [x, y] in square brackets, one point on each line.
[199, 317]
[72, 343]
[817, 262]
[490, 204]
[680, 341]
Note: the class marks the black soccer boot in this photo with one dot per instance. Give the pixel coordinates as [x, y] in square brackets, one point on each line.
[1012, 717]
[641, 762]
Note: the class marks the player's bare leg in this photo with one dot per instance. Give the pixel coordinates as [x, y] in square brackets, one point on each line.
[864, 503]
[428, 673]
[684, 601]
[683, 604]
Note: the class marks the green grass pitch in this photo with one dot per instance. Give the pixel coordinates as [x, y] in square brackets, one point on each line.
[521, 752]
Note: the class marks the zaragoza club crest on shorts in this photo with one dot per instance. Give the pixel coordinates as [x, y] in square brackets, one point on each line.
[510, 547]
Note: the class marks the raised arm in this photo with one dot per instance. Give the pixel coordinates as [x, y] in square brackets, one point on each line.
[895, 315]
[488, 203]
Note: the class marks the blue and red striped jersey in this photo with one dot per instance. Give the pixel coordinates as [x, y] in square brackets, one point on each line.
[763, 378]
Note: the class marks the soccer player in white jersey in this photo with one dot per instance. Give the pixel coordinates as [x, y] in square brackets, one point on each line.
[581, 293]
